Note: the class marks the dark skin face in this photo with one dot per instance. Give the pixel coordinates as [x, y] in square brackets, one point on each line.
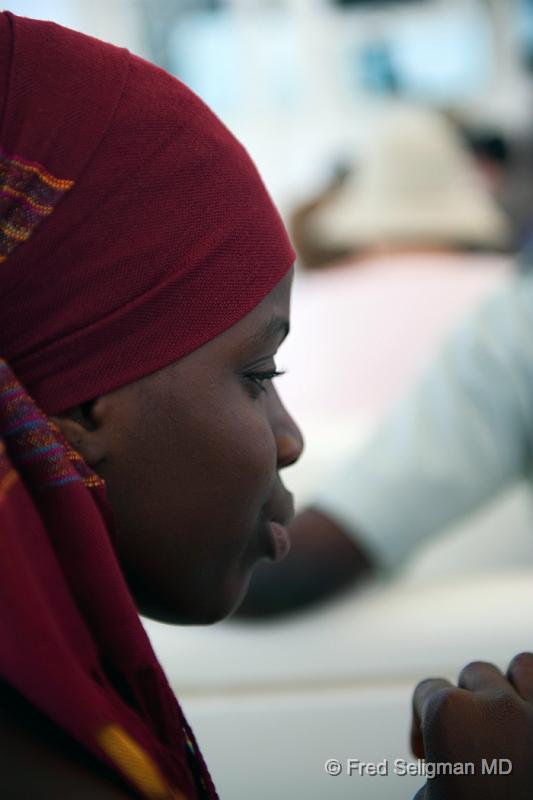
[191, 457]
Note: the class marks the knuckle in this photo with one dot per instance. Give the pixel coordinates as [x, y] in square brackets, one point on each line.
[472, 668]
[422, 684]
[502, 707]
[523, 662]
[440, 705]
[502, 699]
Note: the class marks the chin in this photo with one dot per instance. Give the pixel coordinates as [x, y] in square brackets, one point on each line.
[207, 609]
[217, 608]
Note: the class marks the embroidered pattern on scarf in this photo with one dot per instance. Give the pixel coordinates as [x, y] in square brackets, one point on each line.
[28, 194]
[39, 445]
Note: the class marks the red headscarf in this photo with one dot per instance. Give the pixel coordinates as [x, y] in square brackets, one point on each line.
[135, 226]
[133, 229]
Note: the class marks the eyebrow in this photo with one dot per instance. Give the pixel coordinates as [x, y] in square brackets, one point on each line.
[273, 328]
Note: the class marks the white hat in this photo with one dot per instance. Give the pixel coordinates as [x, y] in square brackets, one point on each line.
[416, 184]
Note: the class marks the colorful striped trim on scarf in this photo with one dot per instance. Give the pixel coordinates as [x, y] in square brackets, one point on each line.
[8, 476]
[28, 194]
[39, 446]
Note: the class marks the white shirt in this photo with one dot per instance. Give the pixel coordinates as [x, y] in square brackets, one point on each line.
[459, 436]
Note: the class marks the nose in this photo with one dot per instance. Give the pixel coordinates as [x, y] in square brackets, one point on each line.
[289, 439]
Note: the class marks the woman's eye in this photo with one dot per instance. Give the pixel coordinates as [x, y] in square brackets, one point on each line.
[256, 380]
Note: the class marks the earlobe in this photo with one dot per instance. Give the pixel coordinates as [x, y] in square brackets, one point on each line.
[88, 442]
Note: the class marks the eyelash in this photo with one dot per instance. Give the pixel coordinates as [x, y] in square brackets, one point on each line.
[257, 379]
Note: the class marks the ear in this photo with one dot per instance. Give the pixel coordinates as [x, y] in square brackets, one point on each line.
[82, 429]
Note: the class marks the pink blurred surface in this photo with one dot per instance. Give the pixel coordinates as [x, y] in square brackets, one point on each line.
[361, 332]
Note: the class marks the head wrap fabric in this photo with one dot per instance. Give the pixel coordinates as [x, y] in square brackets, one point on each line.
[135, 226]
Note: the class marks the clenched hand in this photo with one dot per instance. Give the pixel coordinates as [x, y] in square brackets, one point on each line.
[486, 716]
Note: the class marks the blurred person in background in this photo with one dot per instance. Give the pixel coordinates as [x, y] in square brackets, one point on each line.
[507, 166]
[420, 184]
[515, 191]
[424, 228]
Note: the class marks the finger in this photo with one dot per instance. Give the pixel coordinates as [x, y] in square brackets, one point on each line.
[479, 676]
[416, 740]
[423, 693]
[520, 675]
[426, 690]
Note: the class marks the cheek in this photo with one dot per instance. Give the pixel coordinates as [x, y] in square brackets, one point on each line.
[201, 468]
[238, 465]
[190, 504]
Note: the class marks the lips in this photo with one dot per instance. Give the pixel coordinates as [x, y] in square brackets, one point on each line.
[279, 541]
[281, 508]
[278, 515]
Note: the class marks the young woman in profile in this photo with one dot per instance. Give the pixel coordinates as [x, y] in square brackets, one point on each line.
[145, 282]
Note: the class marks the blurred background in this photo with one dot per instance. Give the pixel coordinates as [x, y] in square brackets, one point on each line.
[299, 80]
[310, 86]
